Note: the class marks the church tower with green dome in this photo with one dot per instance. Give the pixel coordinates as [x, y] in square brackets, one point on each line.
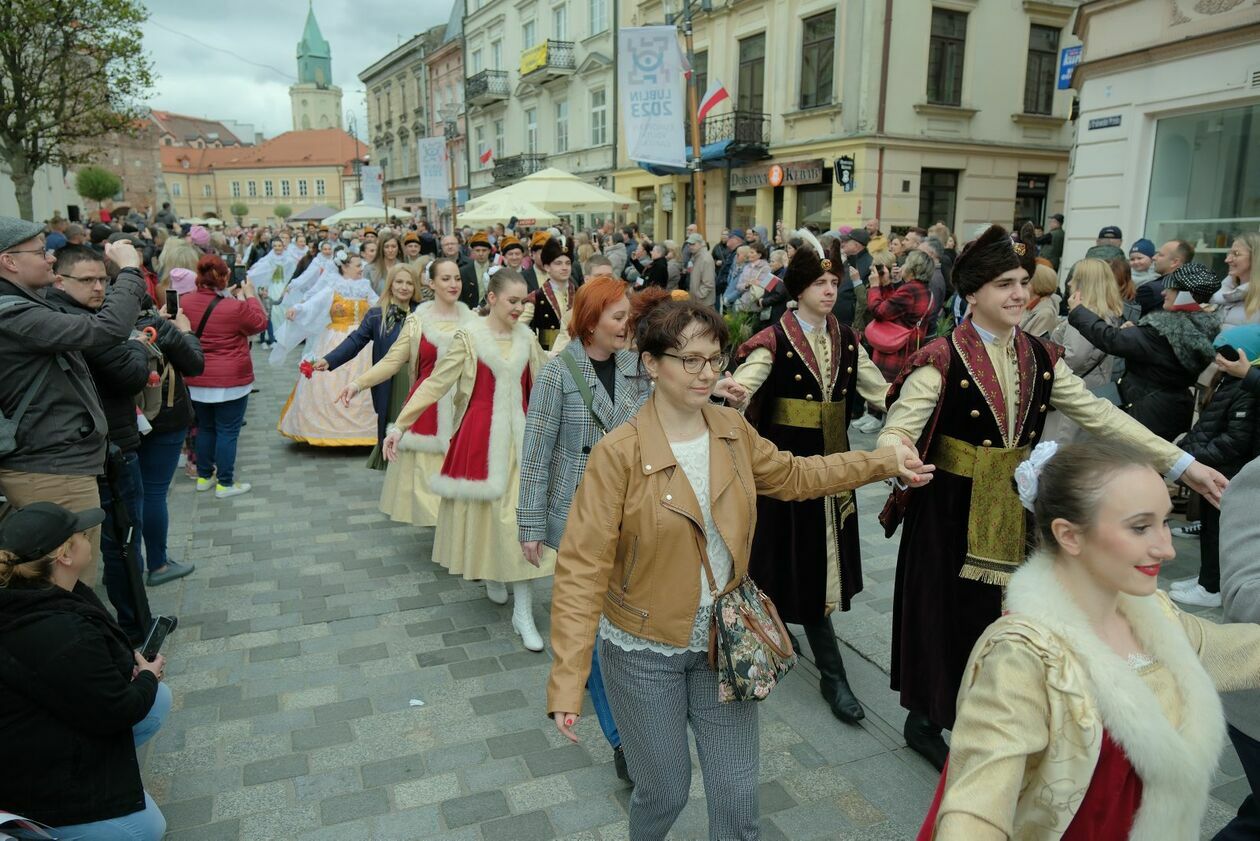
[316, 100]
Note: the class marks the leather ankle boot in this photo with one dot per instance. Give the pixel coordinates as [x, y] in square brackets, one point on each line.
[924, 738]
[833, 683]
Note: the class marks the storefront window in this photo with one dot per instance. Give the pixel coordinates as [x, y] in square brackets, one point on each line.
[647, 210]
[813, 206]
[744, 209]
[1205, 187]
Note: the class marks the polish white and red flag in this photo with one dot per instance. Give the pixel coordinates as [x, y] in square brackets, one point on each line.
[487, 155]
[715, 94]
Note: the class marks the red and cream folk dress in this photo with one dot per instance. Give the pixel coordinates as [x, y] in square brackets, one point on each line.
[405, 495]
[479, 479]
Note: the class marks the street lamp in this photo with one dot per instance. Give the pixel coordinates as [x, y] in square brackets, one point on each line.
[450, 114]
[352, 126]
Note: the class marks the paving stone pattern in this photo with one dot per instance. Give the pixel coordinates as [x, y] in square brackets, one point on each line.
[312, 623]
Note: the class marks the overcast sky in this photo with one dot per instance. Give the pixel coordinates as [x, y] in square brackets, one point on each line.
[235, 59]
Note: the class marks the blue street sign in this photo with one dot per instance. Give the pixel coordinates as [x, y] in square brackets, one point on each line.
[1069, 57]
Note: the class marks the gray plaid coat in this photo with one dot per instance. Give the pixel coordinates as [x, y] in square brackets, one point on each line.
[559, 435]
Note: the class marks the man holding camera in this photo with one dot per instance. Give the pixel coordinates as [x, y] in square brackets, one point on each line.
[53, 432]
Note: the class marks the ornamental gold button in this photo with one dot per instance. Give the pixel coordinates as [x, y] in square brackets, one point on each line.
[809, 397]
[797, 378]
[1046, 375]
[1032, 435]
[975, 413]
[843, 391]
[1043, 407]
[850, 347]
[789, 354]
[850, 370]
[964, 384]
[986, 443]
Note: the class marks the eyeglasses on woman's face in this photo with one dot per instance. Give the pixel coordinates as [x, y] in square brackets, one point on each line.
[694, 363]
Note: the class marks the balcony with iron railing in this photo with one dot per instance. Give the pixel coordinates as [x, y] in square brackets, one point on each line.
[487, 87]
[548, 61]
[746, 133]
[510, 170]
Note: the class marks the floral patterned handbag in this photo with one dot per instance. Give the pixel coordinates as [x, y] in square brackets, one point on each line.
[749, 646]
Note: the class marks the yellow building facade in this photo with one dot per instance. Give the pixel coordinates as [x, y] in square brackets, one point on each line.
[940, 111]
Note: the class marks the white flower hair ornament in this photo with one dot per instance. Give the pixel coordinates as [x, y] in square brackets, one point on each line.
[341, 256]
[1028, 474]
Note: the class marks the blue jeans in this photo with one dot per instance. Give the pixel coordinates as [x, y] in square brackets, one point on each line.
[1246, 826]
[159, 456]
[599, 700]
[146, 825]
[114, 553]
[218, 430]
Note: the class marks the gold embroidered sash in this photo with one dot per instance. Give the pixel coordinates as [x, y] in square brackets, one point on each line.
[832, 419]
[547, 338]
[995, 521]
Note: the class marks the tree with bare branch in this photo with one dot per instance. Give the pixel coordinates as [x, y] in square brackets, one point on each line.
[71, 72]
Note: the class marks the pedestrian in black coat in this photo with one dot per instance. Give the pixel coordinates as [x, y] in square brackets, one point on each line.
[75, 699]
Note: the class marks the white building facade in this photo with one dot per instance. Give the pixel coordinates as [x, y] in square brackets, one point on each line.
[539, 89]
[1169, 130]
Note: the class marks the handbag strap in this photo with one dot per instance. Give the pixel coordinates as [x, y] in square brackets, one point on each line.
[584, 389]
[206, 315]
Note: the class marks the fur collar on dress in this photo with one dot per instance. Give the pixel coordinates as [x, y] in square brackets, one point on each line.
[1176, 764]
[433, 329]
[1189, 333]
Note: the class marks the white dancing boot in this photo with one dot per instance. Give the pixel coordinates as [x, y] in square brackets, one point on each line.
[496, 591]
[523, 616]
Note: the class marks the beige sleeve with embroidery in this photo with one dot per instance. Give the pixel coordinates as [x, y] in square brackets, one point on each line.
[455, 368]
[915, 404]
[398, 355]
[1229, 653]
[755, 370]
[1104, 419]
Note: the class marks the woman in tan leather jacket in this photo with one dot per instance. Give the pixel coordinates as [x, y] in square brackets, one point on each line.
[677, 482]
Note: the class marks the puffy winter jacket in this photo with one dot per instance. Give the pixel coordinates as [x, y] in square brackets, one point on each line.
[225, 339]
[1164, 355]
[1228, 431]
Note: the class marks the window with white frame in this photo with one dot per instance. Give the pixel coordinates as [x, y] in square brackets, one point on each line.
[531, 130]
[236, 189]
[476, 61]
[529, 34]
[560, 22]
[479, 137]
[599, 118]
[284, 188]
[177, 189]
[562, 126]
[496, 55]
[302, 191]
[320, 190]
[205, 190]
[598, 16]
[498, 138]
[251, 188]
[269, 189]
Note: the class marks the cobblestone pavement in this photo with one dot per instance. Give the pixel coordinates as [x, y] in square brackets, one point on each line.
[312, 626]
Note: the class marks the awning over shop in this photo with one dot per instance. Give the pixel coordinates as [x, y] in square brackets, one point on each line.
[712, 156]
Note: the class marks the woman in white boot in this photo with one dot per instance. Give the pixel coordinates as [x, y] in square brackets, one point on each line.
[491, 365]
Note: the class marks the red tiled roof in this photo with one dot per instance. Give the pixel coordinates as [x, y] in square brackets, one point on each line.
[317, 147]
[183, 127]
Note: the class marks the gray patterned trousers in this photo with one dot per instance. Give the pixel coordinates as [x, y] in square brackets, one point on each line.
[654, 698]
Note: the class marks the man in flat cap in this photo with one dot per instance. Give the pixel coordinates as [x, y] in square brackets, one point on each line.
[56, 447]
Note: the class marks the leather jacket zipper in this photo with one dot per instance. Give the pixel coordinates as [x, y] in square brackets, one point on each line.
[634, 559]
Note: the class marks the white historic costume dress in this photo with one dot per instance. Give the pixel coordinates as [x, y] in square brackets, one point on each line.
[479, 481]
[406, 495]
[273, 273]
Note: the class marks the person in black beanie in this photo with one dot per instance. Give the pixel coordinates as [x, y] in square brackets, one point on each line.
[75, 699]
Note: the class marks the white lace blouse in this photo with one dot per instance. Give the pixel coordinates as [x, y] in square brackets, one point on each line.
[693, 458]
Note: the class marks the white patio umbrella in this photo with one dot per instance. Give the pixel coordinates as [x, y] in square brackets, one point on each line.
[499, 206]
[559, 192]
[366, 213]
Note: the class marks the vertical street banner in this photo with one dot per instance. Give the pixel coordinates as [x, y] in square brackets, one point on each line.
[435, 182]
[373, 181]
[654, 100]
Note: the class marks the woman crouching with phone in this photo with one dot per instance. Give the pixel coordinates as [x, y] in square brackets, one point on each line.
[660, 529]
[75, 699]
